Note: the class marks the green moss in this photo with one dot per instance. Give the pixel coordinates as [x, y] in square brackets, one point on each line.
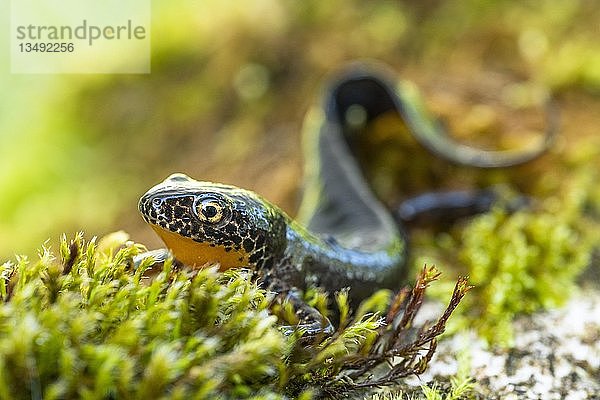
[91, 326]
[531, 259]
[520, 263]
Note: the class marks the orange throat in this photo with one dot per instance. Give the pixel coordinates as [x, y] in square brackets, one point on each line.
[196, 254]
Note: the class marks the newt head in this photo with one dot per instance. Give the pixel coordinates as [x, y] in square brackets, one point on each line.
[210, 223]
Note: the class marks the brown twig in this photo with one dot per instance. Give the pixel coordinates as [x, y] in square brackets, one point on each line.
[414, 356]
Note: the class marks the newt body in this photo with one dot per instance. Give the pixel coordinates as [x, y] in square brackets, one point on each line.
[207, 223]
[344, 236]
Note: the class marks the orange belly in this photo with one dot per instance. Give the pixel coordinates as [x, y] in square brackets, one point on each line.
[198, 255]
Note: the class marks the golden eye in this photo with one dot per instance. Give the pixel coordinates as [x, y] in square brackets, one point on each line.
[210, 211]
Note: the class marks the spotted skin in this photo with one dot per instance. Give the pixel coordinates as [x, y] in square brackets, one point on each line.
[248, 227]
[245, 227]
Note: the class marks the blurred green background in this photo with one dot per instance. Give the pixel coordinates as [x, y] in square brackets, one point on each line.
[231, 82]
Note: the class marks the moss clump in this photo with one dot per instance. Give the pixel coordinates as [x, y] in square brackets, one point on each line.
[520, 263]
[531, 259]
[528, 260]
[91, 326]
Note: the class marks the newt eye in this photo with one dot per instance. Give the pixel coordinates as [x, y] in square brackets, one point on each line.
[210, 211]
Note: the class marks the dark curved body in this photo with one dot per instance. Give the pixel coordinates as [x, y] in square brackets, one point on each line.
[366, 249]
[369, 247]
[344, 236]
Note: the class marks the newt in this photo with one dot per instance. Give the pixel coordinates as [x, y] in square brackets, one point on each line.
[344, 236]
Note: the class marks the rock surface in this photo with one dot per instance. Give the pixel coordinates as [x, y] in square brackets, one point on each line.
[556, 356]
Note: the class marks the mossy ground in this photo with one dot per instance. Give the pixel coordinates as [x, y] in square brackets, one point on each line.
[89, 325]
[524, 261]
